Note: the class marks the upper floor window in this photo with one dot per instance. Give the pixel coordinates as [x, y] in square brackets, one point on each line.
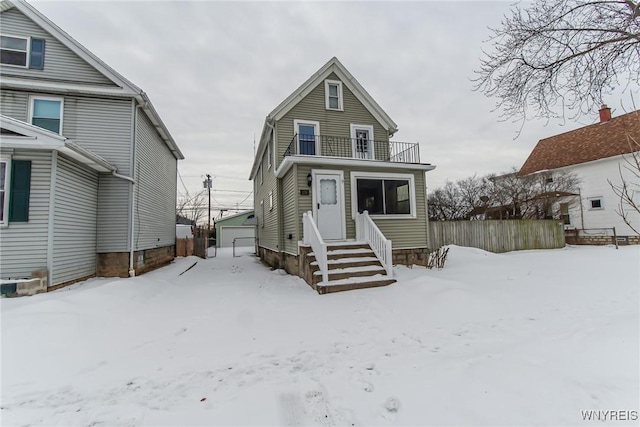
[269, 154]
[24, 52]
[47, 113]
[595, 203]
[333, 95]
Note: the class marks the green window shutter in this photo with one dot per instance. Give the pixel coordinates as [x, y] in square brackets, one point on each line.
[19, 192]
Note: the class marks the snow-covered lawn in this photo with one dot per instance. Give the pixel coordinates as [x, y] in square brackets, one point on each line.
[524, 338]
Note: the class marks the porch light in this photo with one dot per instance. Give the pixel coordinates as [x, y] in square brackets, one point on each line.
[309, 179]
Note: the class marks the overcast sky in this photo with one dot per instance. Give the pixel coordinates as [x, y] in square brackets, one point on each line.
[214, 70]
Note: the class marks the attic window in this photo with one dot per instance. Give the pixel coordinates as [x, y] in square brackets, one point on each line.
[333, 95]
[23, 52]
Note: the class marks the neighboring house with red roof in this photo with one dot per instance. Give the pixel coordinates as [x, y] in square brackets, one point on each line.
[595, 154]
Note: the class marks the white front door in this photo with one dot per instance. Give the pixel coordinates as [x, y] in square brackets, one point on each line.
[329, 209]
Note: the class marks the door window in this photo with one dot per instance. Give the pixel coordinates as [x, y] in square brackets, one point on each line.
[328, 192]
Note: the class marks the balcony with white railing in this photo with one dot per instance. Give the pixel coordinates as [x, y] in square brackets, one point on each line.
[354, 148]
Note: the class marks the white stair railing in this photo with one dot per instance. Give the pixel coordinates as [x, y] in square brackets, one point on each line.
[311, 236]
[367, 231]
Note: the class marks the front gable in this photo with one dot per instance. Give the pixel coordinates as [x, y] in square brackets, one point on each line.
[333, 122]
[60, 63]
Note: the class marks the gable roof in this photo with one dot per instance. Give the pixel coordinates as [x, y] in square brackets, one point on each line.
[594, 142]
[27, 136]
[335, 66]
[332, 66]
[125, 87]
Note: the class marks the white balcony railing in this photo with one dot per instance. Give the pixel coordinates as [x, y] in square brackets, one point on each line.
[367, 231]
[311, 236]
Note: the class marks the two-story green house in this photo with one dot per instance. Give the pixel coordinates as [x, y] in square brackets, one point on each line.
[328, 181]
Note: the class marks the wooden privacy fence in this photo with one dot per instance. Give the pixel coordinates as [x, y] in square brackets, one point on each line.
[498, 236]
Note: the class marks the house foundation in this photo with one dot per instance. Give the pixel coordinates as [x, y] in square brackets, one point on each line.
[116, 264]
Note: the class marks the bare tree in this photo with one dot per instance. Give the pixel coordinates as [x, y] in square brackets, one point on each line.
[505, 196]
[548, 191]
[444, 204]
[192, 207]
[562, 54]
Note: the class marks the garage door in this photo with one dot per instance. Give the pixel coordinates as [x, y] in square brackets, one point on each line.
[244, 235]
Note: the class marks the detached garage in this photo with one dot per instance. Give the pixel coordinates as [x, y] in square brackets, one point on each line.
[240, 227]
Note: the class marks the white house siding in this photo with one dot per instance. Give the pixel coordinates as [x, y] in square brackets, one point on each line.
[404, 233]
[593, 183]
[75, 222]
[23, 247]
[332, 123]
[104, 126]
[60, 63]
[14, 104]
[156, 188]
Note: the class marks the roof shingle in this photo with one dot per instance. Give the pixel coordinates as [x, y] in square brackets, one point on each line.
[593, 142]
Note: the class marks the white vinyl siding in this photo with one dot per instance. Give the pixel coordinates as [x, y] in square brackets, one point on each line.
[14, 104]
[60, 63]
[24, 244]
[75, 211]
[156, 189]
[104, 127]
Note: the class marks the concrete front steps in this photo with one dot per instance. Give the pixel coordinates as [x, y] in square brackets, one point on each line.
[352, 265]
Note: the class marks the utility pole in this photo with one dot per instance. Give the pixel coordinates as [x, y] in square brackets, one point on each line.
[207, 184]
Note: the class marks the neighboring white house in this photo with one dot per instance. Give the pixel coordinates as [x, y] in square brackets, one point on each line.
[596, 154]
[87, 168]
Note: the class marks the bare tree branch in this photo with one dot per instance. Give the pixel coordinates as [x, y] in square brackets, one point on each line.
[559, 55]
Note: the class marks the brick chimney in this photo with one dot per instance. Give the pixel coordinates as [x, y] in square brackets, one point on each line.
[605, 113]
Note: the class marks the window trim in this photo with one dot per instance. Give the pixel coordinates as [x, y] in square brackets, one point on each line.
[34, 98]
[27, 52]
[316, 124]
[271, 200]
[372, 148]
[7, 190]
[340, 95]
[261, 213]
[382, 176]
[591, 199]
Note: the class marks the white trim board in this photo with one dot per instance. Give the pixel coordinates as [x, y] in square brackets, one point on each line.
[346, 162]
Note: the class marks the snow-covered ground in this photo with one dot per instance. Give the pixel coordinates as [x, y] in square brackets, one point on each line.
[524, 338]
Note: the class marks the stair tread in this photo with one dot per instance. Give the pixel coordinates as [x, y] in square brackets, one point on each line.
[348, 260]
[351, 270]
[356, 280]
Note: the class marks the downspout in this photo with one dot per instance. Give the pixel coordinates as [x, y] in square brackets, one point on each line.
[134, 131]
[132, 271]
[134, 113]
